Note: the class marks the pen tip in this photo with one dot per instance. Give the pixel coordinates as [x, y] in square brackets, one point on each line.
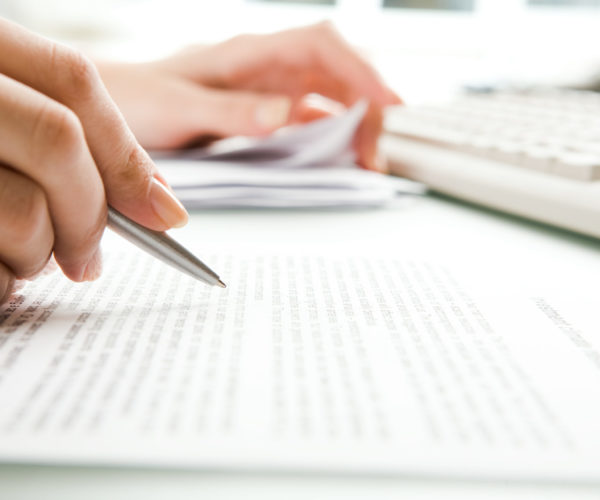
[221, 284]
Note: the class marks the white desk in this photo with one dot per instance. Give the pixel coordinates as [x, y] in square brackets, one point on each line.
[431, 224]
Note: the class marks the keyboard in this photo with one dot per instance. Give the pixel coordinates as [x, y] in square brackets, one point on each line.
[533, 153]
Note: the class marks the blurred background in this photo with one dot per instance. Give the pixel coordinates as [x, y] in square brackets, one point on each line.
[425, 48]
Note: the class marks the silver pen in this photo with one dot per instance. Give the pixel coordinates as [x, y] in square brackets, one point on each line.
[163, 247]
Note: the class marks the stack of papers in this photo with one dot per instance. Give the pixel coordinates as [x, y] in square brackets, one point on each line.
[301, 166]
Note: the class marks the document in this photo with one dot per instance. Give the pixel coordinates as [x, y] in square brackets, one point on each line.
[309, 165]
[306, 362]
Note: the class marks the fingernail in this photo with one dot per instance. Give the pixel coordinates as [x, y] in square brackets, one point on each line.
[93, 270]
[273, 113]
[166, 207]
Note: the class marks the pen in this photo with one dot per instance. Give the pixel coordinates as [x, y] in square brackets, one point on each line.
[163, 247]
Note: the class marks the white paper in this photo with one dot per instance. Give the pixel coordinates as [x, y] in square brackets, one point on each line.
[310, 165]
[307, 361]
[208, 184]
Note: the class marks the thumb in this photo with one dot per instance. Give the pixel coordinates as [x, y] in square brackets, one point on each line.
[135, 188]
[227, 112]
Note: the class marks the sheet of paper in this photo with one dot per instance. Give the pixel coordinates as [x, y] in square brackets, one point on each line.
[307, 361]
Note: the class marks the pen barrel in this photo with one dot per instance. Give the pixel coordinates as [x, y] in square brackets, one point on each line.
[161, 246]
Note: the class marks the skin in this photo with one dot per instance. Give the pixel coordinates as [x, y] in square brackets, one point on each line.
[72, 133]
[65, 152]
[249, 85]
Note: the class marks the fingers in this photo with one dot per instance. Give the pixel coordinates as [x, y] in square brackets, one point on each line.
[293, 62]
[342, 63]
[26, 230]
[7, 280]
[303, 60]
[44, 141]
[314, 59]
[68, 78]
[347, 77]
[366, 137]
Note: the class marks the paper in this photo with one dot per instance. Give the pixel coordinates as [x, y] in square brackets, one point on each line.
[301, 166]
[207, 184]
[305, 362]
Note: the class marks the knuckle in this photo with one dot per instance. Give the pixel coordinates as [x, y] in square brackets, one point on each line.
[322, 35]
[240, 40]
[325, 28]
[76, 75]
[130, 180]
[57, 133]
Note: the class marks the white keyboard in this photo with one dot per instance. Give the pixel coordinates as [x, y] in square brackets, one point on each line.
[533, 153]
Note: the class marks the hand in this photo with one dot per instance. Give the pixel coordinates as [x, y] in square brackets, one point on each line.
[249, 85]
[65, 151]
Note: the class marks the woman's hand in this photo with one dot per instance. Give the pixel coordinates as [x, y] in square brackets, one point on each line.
[249, 85]
[65, 152]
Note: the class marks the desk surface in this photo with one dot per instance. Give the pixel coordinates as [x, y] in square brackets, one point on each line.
[431, 224]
